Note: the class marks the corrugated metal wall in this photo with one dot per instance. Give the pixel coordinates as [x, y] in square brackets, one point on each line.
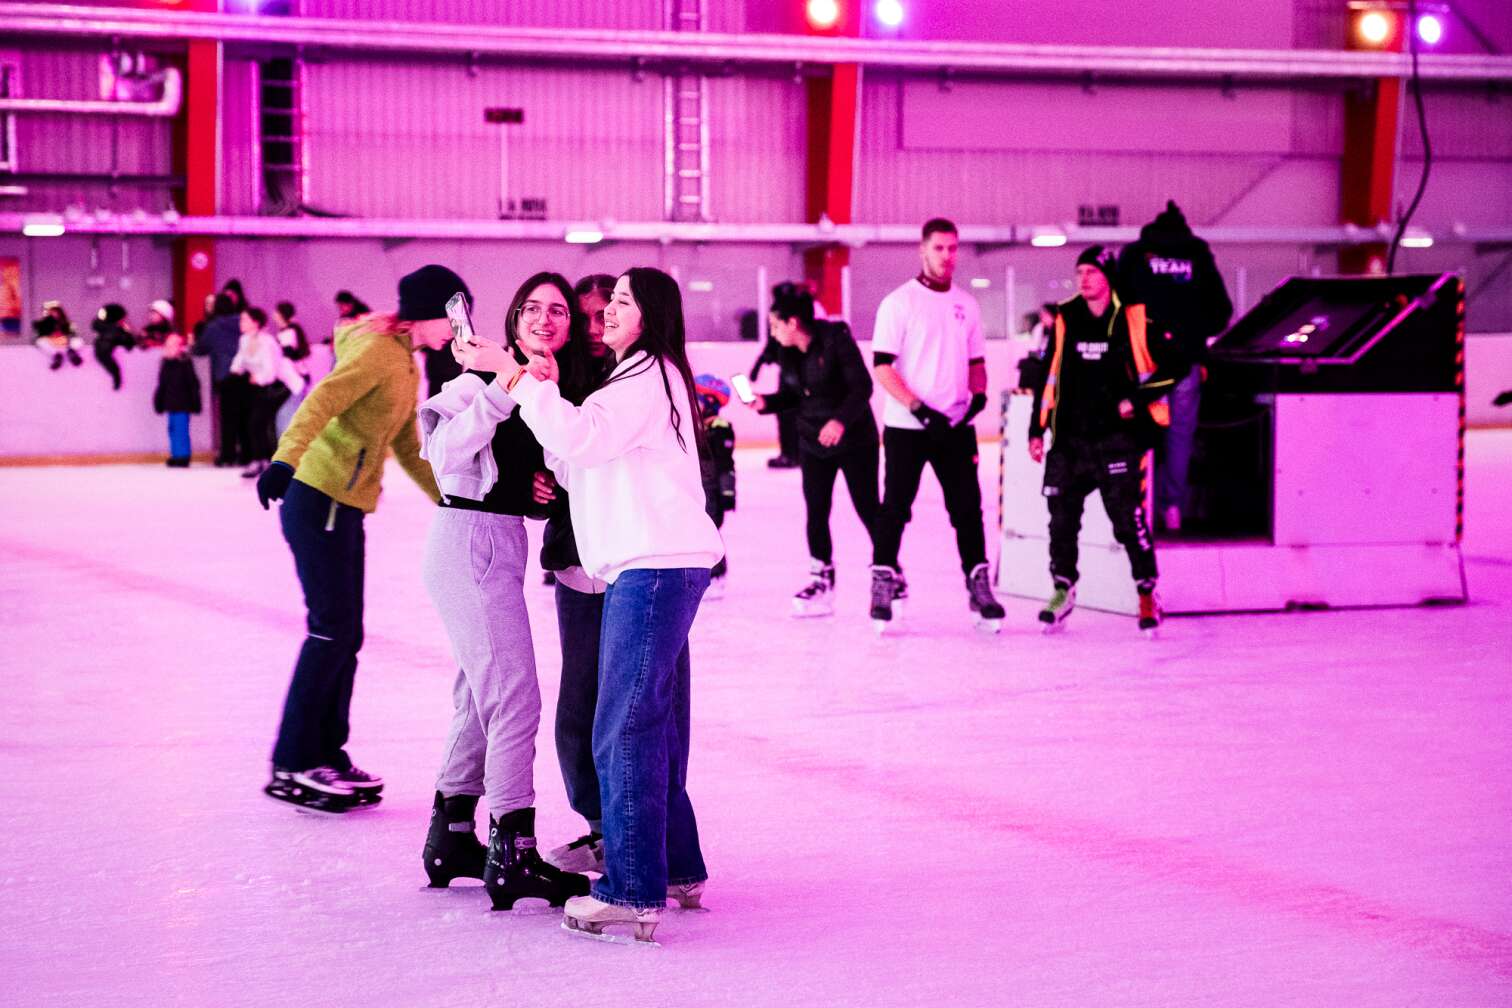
[77, 144]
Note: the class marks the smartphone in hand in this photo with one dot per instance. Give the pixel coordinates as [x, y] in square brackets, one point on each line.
[742, 386]
[460, 319]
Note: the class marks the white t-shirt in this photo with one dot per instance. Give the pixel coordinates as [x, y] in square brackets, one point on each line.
[934, 335]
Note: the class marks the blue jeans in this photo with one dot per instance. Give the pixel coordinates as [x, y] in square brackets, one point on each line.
[1171, 476]
[640, 736]
[328, 544]
[178, 436]
[580, 617]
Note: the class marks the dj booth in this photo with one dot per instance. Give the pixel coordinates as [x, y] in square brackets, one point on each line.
[1328, 469]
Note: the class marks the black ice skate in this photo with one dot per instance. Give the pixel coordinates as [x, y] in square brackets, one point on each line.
[1062, 602]
[367, 787]
[452, 850]
[1149, 610]
[817, 598]
[986, 613]
[884, 592]
[317, 790]
[515, 871]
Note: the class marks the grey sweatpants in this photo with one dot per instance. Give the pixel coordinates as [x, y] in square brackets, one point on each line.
[474, 571]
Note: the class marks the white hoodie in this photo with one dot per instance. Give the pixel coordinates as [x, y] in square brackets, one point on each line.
[637, 495]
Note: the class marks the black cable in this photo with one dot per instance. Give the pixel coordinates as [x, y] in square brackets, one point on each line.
[1415, 86]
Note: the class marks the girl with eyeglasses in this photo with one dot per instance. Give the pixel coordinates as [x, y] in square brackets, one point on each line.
[629, 456]
[487, 463]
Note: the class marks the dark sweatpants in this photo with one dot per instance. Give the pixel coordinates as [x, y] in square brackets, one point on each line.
[1114, 466]
[953, 456]
[328, 544]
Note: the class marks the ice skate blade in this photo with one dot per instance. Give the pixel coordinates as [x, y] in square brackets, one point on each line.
[988, 626]
[596, 931]
[1151, 633]
[801, 613]
[1051, 629]
[529, 907]
[880, 626]
[336, 810]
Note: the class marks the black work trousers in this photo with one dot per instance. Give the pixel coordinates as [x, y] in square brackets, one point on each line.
[952, 455]
[1114, 466]
[859, 465]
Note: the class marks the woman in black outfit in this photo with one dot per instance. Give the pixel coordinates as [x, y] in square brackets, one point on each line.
[836, 430]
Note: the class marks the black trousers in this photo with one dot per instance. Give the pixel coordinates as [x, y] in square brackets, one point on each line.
[1115, 467]
[263, 404]
[860, 468]
[231, 395]
[329, 547]
[953, 457]
[105, 354]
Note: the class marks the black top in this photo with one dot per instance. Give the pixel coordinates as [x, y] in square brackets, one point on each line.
[1172, 273]
[178, 387]
[518, 457]
[833, 383]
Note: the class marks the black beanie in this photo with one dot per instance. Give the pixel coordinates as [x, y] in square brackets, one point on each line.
[423, 294]
[1101, 257]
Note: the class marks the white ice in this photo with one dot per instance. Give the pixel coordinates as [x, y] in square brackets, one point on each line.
[1275, 810]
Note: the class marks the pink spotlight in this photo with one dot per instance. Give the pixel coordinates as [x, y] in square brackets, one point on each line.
[889, 13]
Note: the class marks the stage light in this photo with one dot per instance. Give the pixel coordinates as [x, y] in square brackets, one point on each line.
[889, 12]
[1047, 238]
[584, 236]
[823, 14]
[1430, 29]
[1417, 239]
[43, 227]
[1376, 27]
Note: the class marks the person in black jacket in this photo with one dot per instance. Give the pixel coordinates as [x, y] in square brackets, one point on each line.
[1171, 271]
[831, 402]
[177, 395]
[219, 339]
[1104, 407]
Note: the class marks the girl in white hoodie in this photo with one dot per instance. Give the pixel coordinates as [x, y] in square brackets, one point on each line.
[629, 457]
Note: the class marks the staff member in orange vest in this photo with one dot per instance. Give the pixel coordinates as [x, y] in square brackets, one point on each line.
[1103, 405]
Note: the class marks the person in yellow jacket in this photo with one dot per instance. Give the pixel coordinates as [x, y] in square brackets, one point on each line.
[327, 471]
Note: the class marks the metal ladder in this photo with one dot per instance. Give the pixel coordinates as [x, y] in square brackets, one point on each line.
[686, 108]
[281, 114]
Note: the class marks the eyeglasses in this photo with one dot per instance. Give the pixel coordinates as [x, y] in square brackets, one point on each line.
[531, 312]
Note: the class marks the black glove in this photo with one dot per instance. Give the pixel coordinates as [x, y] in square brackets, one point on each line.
[933, 420]
[274, 483]
[978, 403]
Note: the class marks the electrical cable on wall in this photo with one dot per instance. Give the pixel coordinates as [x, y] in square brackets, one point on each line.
[1415, 86]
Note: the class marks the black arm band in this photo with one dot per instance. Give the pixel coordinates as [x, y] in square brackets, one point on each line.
[882, 357]
[977, 360]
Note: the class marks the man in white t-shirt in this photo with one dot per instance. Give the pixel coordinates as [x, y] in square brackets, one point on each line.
[930, 357]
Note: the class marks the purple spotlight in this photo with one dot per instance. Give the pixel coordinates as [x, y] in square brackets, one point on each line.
[889, 12]
[1430, 29]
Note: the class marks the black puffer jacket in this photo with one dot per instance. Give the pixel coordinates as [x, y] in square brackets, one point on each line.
[1171, 272]
[178, 387]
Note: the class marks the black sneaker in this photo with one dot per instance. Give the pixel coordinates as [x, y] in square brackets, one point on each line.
[367, 787]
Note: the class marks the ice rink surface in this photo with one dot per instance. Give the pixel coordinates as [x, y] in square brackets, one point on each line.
[1310, 809]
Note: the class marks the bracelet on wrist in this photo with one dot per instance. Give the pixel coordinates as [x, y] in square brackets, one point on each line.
[509, 386]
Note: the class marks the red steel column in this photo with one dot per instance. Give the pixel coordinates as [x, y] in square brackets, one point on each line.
[196, 156]
[1367, 175]
[833, 104]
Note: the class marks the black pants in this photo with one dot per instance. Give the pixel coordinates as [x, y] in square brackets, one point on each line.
[231, 394]
[263, 404]
[328, 544]
[860, 468]
[105, 353]
[1114, 466]
[953, 456]
[580, 617]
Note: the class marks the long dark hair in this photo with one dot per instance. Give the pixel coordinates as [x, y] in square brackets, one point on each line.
[574, 360]
[664, 340]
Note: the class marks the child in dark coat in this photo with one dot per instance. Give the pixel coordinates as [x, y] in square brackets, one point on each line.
[178, 395]
[719, 467]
